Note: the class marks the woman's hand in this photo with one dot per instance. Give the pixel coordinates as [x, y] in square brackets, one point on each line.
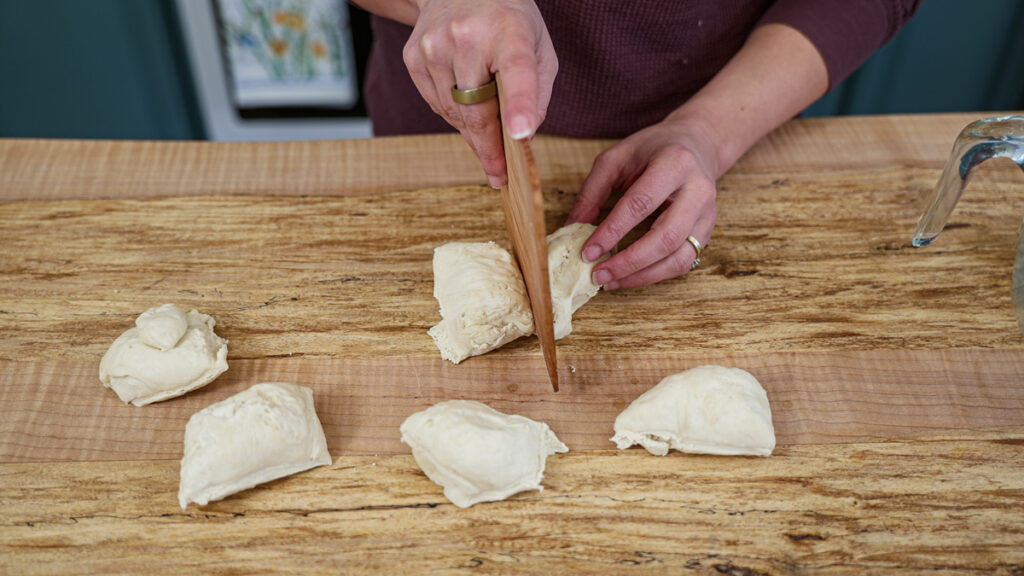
[462, 43]
[675, 163]
[671, 166]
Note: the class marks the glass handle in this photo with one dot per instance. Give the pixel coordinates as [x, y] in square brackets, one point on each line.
[999, 137]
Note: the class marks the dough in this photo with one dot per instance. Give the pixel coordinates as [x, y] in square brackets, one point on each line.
[162, 327]
[266, 432]
[482, 299]
[167, 354]
[570, 274]
[705, 410]
[477, 453]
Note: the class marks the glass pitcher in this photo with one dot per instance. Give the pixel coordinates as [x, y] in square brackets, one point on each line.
[999, 137]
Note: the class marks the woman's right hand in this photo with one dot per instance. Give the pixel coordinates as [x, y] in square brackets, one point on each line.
[462, 43]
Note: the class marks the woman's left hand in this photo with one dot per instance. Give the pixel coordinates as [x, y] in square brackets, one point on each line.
[671, 166]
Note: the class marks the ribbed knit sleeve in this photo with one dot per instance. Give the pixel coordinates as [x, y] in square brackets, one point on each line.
[845, 32]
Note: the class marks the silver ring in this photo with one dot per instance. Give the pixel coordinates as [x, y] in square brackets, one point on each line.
[695, 263]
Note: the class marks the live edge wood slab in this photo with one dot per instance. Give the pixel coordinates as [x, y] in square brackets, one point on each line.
[896, 375]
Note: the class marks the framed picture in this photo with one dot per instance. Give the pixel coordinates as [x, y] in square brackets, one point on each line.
[275, 69]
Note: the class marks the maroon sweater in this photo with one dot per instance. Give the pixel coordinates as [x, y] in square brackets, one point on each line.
[626, 64]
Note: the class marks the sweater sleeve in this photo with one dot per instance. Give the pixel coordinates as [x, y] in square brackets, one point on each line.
[845, 32]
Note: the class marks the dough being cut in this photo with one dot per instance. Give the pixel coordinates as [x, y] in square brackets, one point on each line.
[168, 353]
[266, 432]
[482, 299]
[570, 274]
[705, 410]
[477, 453]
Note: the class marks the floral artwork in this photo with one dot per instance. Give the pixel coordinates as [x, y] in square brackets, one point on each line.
[289, 52]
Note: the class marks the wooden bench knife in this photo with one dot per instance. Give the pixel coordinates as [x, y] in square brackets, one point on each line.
[524, 217]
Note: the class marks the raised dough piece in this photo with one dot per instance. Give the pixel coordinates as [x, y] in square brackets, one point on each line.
[571, 282]
[477, 453]
[266, 432]
[140, 372]
[162, 327]
[705, 410]
[482, 299]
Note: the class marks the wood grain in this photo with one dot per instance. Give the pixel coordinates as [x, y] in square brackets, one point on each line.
[50, 169]
[800, 260]
[58, 410]
[934, 504]
[793, 276]
[315, 260]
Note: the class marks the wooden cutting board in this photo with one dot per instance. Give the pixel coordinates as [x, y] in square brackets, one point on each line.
[855, 334]
[315, 260]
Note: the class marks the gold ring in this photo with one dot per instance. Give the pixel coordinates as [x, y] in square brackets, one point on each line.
[696, 246]
[475, 95]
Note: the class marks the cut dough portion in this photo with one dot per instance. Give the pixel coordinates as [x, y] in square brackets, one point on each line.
[571, 283]
[705, 410]
[266, 432]
[141, 370]
[482, 299]
[477, 453]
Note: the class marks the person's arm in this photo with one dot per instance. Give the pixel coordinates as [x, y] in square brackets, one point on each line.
[404, 11]
[776, 74]
[676, 162]
[463, 43]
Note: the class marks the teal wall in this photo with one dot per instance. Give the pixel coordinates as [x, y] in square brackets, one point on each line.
[953, 56]
[94, 69]
[116, 68]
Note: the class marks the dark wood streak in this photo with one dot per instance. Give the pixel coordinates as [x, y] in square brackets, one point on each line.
[833, 509]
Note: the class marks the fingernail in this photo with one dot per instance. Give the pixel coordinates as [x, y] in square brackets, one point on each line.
[592, 253]
[495, 182]
[520, 127]
[602, 277]
[613, 285]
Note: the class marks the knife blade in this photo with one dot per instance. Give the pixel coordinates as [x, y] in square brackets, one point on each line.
[524, 218]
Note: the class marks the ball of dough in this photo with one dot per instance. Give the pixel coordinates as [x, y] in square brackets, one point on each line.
[482, 299]
[162, 327]
[571, 282]
[266, 432]
[477, 453]
[705, 410]
[140, 371]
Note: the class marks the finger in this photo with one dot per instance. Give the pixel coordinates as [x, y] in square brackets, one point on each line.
[443, 79]
[666, 236]
[641, 199]
[481, 126]
[416, 63]
[496, 181]
[482, 129]
[679, 263]
[429, 59]
[547, 69]
[425, 84]
[516, 61]
[598, 185]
